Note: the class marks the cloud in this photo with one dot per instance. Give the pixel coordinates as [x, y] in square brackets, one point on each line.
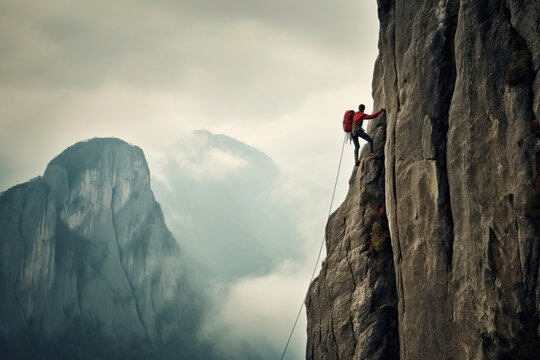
[236, 54]
[217, 196]
[333, 25]
[236, 230]
[196, 159]
[142, 70]
[260, 310]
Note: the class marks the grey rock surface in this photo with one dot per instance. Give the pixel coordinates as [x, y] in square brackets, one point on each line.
[459, 80]
[87, 242]
[352, 305]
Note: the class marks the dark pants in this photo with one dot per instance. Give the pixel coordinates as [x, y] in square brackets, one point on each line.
[364, 136]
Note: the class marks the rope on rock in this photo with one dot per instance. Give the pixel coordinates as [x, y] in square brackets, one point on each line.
[320, 249]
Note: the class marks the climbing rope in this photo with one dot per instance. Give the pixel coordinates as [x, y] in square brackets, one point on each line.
[320, 250]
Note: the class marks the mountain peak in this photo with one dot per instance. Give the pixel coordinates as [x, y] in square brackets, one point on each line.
[92, 153]
[87, 246]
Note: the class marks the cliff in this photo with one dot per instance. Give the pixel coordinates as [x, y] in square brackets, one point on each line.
[352, 305]
[461, 193]
[85, 249]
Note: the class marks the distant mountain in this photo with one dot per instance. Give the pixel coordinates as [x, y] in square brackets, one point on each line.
[218, 197]
[88, 268]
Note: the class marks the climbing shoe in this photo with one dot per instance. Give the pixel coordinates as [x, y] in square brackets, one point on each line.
[356, 162]
[371, 154]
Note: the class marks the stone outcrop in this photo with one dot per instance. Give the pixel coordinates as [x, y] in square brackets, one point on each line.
[461, 184]
[352, 304]
[87, 243]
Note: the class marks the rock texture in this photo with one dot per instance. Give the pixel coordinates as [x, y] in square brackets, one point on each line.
[352, 305]
[87, 243]
[459, 80]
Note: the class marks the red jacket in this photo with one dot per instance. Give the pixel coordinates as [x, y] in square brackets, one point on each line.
[359, 117]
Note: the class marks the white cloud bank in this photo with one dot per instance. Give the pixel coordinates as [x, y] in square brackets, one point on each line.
[261, 310]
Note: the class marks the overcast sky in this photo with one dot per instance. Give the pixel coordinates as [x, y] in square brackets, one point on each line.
[276, 75]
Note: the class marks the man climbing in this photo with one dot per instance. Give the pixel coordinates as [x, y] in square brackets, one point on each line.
[357, 131]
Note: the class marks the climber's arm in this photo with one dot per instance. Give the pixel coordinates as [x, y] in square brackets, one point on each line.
[373, 115]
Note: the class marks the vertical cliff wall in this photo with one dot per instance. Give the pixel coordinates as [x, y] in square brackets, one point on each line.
[87, 244]
[352, 304]
[461, 178]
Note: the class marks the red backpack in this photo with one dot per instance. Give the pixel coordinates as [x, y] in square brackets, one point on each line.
[348, 120]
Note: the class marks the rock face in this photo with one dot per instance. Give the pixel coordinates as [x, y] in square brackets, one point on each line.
[352, 305]
[462, 161]
[87, 243]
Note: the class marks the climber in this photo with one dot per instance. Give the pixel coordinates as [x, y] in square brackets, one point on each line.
[357, 131]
